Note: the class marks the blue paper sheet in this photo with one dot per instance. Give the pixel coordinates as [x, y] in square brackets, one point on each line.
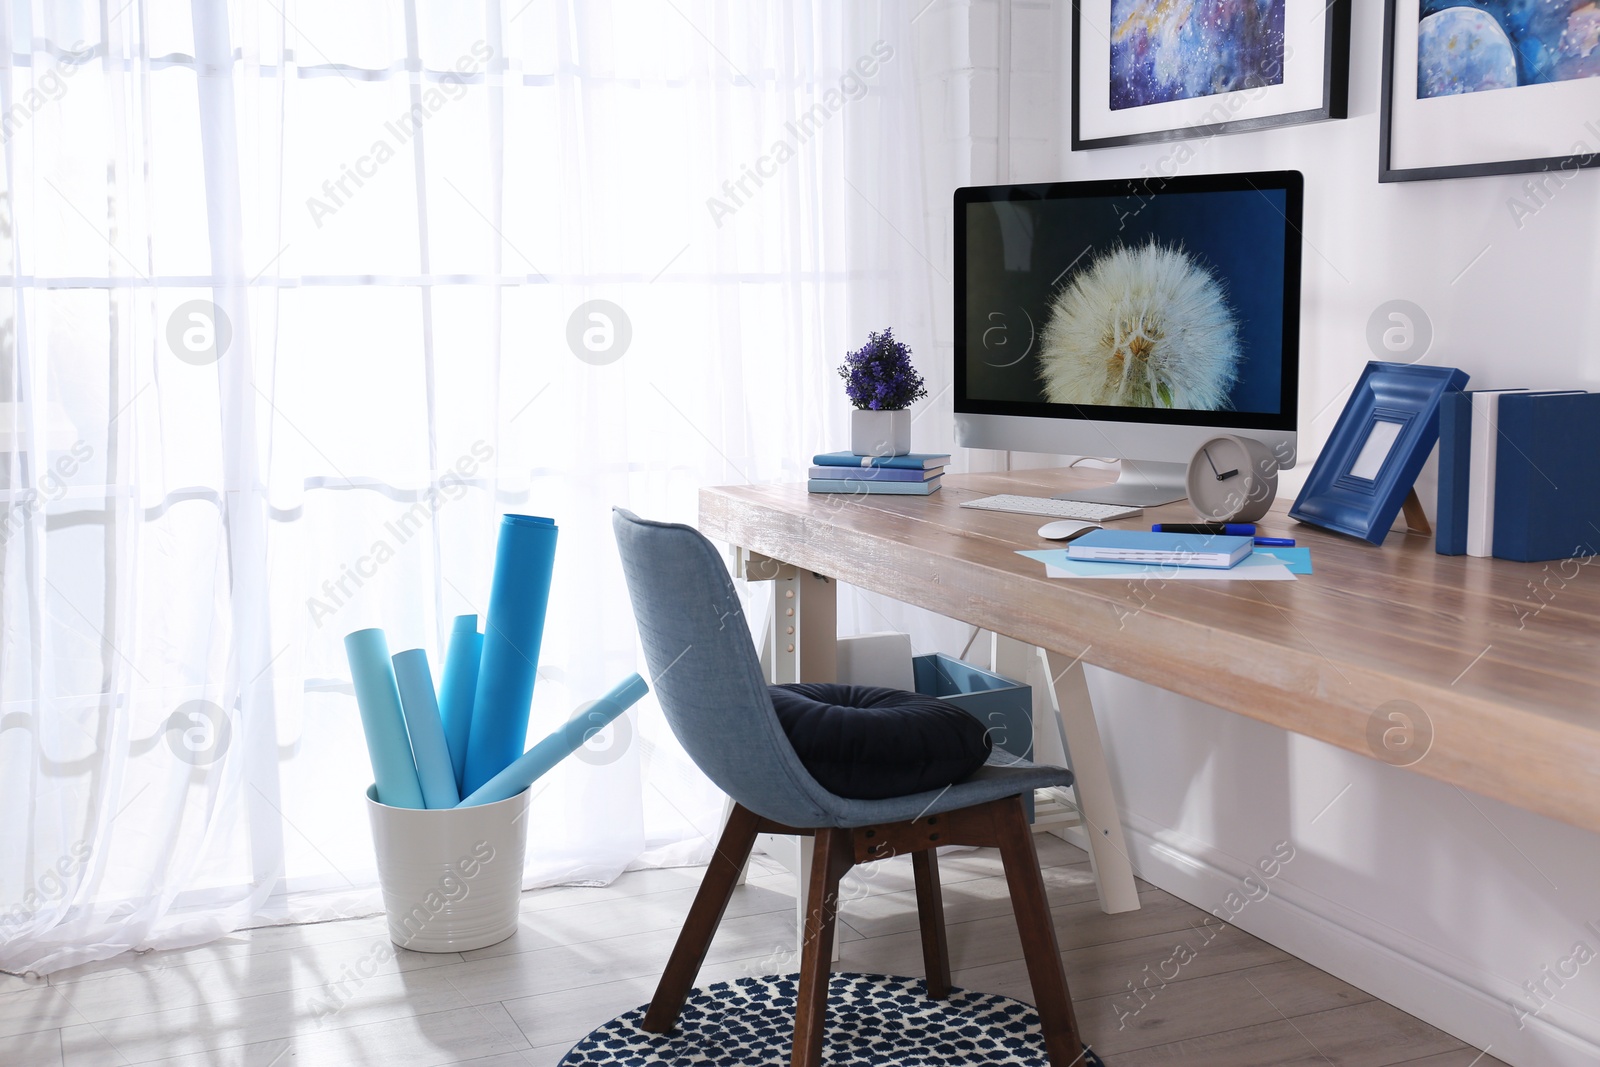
[523, 563]
[382, 720]
[428, 747]
[559, 745]
[1297, 559]
[457, 688]
[1258, 566]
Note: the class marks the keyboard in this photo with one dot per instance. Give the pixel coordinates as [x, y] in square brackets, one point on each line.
[1050, 508]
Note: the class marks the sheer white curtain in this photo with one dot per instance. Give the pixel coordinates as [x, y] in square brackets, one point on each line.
[301, 297]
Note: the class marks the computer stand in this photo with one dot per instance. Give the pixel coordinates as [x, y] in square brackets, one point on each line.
[1140, 485]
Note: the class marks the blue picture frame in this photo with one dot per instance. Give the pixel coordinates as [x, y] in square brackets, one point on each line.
[1383, 438]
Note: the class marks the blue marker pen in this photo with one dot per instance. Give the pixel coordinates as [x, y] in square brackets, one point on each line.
[1231, 529]
[1275, 542]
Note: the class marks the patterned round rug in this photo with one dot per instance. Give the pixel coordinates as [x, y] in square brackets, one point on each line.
[872, 1019]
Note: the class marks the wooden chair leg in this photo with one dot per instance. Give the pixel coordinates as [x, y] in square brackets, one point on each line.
[722, 875]
[1039, 948]
[930, 915]
[833, 856]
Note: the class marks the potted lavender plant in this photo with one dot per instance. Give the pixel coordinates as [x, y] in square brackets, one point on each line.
[882, 384]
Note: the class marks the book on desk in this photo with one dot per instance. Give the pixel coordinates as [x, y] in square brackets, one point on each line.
[1519, 475]
[876, 474]
[908, 461]
[1547, 480]
[1211, 551]
[870, 488]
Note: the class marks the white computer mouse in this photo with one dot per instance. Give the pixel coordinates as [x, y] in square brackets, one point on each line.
[1066, 529]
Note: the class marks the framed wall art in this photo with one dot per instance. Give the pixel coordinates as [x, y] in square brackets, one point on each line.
[1477, 87]
[1146, 71]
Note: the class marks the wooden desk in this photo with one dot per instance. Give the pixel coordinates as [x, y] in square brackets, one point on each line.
[1502, 659]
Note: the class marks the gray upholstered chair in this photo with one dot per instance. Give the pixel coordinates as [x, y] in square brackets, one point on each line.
[708, 680]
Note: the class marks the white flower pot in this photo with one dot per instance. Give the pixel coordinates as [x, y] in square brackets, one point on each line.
[880, 433]
[451, 877]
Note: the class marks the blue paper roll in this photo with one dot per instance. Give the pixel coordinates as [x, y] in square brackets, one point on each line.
[523, 563]
[566, 740]
[457, 688]
[429, 750]
[382, 720]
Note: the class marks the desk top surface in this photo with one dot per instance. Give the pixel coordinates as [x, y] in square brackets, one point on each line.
[1499, 661]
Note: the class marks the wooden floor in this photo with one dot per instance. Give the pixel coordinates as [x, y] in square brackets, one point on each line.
[337, 994]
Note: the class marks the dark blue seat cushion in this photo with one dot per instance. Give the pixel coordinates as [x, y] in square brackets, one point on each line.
[869, 743]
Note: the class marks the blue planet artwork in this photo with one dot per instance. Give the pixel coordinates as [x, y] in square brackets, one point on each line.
[1163, 50]
[1471, 46]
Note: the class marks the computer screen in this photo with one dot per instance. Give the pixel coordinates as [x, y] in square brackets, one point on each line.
[1087, 310]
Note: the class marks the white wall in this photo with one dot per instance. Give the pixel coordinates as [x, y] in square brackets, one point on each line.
[1439, 901]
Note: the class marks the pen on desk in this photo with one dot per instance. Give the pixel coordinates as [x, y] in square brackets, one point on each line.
[1234, 529]
[1275, 542]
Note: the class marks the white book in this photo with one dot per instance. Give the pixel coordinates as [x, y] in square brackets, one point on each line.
[1480, 479]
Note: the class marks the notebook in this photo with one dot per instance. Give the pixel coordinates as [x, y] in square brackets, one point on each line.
[1215, 551]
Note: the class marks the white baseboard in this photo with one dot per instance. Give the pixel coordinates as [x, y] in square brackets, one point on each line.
[1444, 991]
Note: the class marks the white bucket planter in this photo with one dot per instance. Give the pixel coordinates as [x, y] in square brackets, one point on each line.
[451, 877]
[880, 433]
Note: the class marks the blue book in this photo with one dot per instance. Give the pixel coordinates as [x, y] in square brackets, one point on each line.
[1467, 461]
[1547, 486]
[1455, 464]
[869, 488]
[876, 474]
[912, 461]
[1214, 551]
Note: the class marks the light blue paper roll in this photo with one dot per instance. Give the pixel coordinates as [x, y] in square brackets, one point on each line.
[523, 563]
[429, 749]
[566, 740]
[457, 688]
[382, 720]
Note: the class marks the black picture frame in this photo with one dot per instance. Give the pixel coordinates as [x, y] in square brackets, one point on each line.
[1335, 88]
[1388, 172]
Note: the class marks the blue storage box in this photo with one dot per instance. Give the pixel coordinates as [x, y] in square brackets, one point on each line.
[1004, 706]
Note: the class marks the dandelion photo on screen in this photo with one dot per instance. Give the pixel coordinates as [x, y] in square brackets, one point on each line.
[1141, 327]
[1131, 297]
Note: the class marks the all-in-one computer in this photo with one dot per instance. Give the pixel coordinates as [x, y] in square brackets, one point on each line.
[1132, 319]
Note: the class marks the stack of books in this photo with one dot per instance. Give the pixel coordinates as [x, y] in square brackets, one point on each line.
[1519, 474]
[914, 474]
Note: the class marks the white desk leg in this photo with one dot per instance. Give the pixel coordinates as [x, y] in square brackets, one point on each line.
[800, 645]
[811, 636]
[804, 637]
[1108, 849]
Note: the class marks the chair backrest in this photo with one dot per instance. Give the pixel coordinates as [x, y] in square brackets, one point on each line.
[706, 674]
